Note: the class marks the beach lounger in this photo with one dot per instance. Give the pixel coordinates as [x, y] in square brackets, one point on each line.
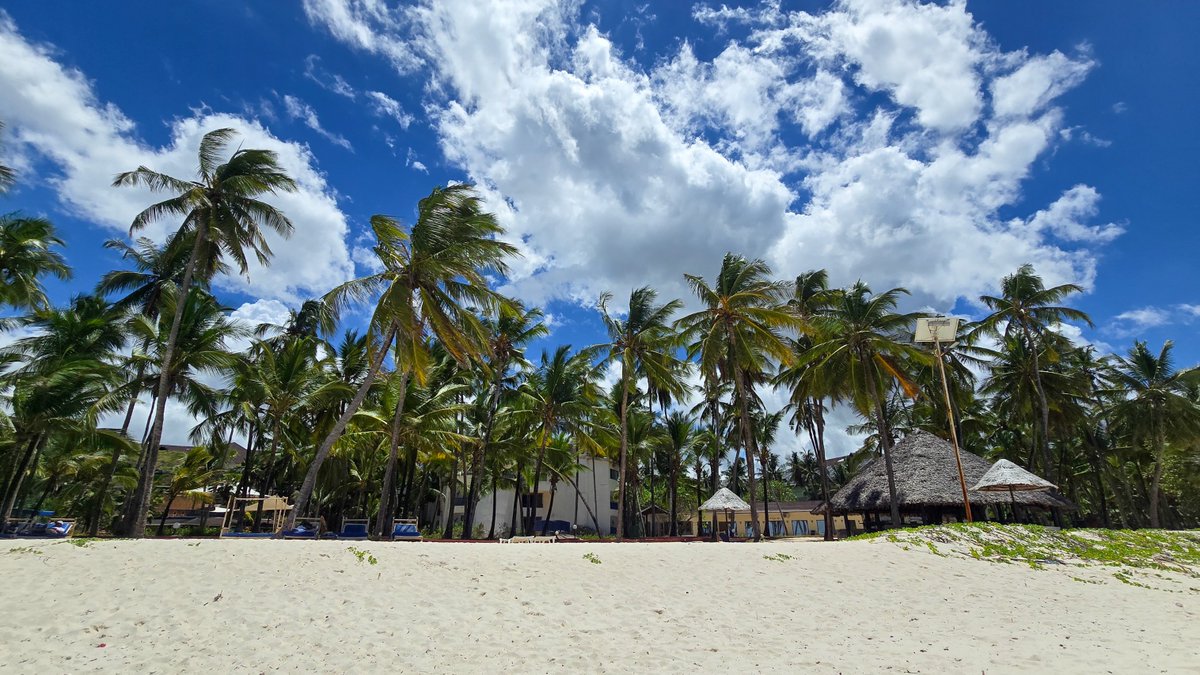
[529, 540]
[354, 529]
[406, 529]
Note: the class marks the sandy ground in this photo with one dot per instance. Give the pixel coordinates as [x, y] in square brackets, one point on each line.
[292, 606]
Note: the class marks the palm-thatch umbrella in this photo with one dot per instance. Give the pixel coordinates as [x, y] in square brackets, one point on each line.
[926, 476]
[1004, 475]
[725, 500]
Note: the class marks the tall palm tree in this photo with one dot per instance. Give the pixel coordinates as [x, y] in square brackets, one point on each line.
[1156, 405]
[680, 434]
[193, 473]
[645, 343]
[738, 334]
[1027, 309]
[862, 342]
[432, 278]
[223, 217]
[507, 336]
[27, 255]
[560, 397]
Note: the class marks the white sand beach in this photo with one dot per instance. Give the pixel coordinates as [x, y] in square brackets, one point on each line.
[859, 606]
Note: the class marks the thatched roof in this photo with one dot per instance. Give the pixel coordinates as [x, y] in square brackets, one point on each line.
[926, 475]
[1005, 476]
[725, 500]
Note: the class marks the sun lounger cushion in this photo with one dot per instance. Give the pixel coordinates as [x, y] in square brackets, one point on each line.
[406, 530]
[353, 530]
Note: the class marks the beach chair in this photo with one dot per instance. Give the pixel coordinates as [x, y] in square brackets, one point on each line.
[405, 529]
[43, 529]
[355, 529]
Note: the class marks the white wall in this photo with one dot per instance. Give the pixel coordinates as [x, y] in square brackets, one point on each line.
[564, 502]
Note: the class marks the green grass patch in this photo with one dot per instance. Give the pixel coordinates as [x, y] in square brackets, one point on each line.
[592, 558]
[363, 556]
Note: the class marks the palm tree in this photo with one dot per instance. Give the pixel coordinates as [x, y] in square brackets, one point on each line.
[222, 216]
[737, 334]
[507, 335]
[63, 379]
[26, 256]
[680, 434]
[645, 343]
[1027, 309]
[559, 397]
[431, 278]
[192, 474]
[1156, 404]
[862, 341]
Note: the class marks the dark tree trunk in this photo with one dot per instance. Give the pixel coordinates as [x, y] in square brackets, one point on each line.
[624, 450]
[314, 468]
[383, 522]
[452, 490]
[550, 508]
[141, 496]
[495, 505]
[751, 446]
[14, 484]
[885, 441]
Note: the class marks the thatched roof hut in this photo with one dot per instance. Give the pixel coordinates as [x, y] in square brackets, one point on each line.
[725, 500]
[927, 477]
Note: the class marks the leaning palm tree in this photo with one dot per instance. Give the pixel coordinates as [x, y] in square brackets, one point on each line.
[645, 343]
[863, 343]
[222, 217]
[1027, 309]
[433, 277]
[27, 256]
[1156, 405]
[738, 334]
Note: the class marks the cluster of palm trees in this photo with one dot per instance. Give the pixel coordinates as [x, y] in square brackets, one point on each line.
[436, 399]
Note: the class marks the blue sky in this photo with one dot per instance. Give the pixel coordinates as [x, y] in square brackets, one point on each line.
[934, 146]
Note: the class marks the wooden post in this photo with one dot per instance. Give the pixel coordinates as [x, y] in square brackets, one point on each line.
[962, 481]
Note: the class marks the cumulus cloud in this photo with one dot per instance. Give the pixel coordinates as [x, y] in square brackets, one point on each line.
[369, 25]
[299, 110]
[53, 114]
[1133, 323]
[610, 175]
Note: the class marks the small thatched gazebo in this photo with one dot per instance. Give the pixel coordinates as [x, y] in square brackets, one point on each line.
[927, 484]
[724, 500]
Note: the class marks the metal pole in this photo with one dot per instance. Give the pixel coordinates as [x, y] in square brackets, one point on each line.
[962, 481]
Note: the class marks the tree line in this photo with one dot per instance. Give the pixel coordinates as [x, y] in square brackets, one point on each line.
[436, 397]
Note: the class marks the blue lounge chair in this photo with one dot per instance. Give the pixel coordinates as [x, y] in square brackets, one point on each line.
[354, 529]
[406, 529]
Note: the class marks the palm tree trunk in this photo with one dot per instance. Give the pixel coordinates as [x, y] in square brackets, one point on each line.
[596, 495]
[162, 522]
[495, 504]
[1155, 483]
[624, 449]
[537, 474]
[383, 520]
[265, 485]
[14, 484]
[885, 441]
[673, 486]
[314, 468]
[591, 513]
[141, 496]
[451, 493]
[749, 442]
[714, 469]
[550, 509]
[518, 481]
[481, 451]
[818, 422]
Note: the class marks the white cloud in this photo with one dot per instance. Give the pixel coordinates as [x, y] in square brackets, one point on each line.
[383, 104]
[1033, 86]
[53, 113]
[610, 175]
[326, 80]
[368, 25]
[299, 110]
[1065, 217]
[1134, 322]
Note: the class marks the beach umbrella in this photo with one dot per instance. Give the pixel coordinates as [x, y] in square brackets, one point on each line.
[725, 500]
[1004, 475]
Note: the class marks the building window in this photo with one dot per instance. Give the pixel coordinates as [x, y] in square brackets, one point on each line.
[799, 527]
[531, 500]
[613, 474]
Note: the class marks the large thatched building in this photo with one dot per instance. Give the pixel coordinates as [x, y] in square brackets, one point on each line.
[927, 484]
